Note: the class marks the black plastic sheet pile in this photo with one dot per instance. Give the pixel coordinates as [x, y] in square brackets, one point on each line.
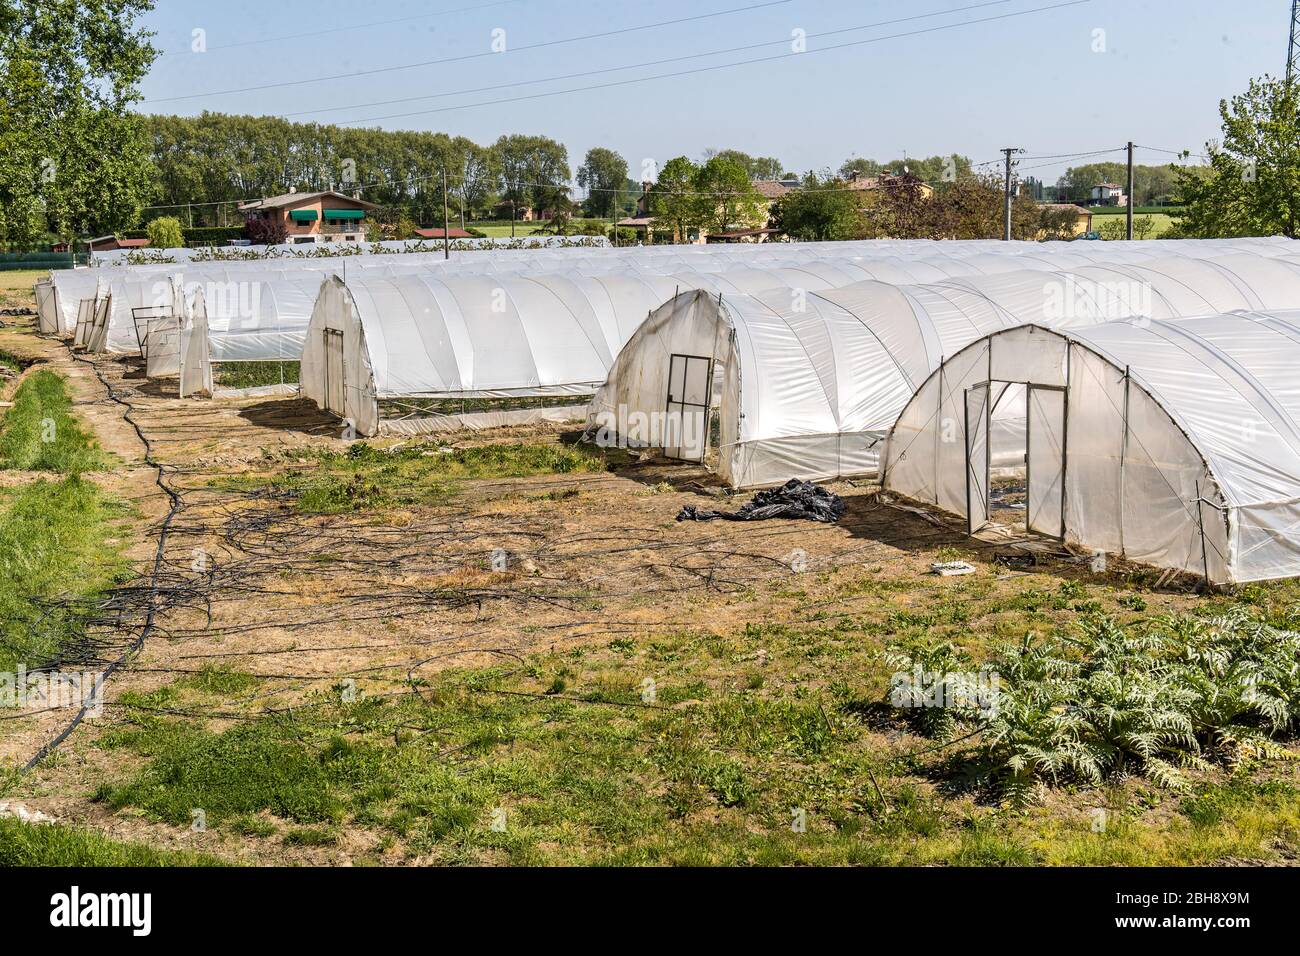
[794, 499]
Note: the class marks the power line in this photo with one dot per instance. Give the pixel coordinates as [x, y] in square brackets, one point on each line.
[1172, 152]
[632, 66]
[350, 28]
[474, 56]
[719, 66]
[1057, 161]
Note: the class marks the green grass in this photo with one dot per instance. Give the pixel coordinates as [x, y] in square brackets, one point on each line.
[54, 543]
[51, 844]
[1137, 210]
[16, 286]
[11, 362]
[1160, 222]
[39, 433]
[367, 478]
[582, 769]
[254, 374]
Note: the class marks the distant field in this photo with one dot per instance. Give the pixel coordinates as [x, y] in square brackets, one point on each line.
[501, 230]
[1163, 222]
[21, 280]
[1138, 210]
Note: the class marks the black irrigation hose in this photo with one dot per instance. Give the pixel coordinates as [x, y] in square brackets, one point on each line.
[153, 589]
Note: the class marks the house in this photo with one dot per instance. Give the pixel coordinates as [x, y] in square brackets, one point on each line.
[110, 243]
[642, 222]
[452, 233]
[522, 213]
[774, 189]
[644, 226]
[312, 217]
[889, 181]
[1108, 194]
[1082, 217]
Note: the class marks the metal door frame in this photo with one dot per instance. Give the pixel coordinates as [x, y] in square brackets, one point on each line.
[1029, 411]
[988, 450]
[325, 342]
[706, 407]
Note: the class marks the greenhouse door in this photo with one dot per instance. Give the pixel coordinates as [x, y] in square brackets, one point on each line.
[690, 392]
[1045, 461]
[977, 457]
[334, 371]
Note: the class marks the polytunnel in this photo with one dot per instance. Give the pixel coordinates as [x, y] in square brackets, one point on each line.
[769, 387]
[807, 385]
[1171, 443]
[406, 342]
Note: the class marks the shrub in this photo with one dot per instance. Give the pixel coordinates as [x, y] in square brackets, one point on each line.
[165, 233]
[1153, 698]
[264, 231]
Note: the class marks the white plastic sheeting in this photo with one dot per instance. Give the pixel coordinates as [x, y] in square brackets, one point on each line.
[259, 310]
[809, 383]
[803, 388]
[539, 251]
[1176, 443]
[47, 318]
[195, 359]
[418, 337]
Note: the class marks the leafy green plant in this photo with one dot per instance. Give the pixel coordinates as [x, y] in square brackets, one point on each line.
[1152, 699]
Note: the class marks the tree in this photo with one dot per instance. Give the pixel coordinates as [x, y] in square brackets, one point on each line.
[74, 156]
[755, 167]
[726, 198]
[534, 170]
[823, 210]
[930, 169]
[267, 230]
[862, 168]
[1057, 223]
[165, 233]
[479, 174]
[1150, 183]
[672, 198]
[603, 173]
[1252, 187]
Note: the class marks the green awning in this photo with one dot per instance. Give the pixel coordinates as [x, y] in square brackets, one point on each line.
[302, 215]
[345, 213]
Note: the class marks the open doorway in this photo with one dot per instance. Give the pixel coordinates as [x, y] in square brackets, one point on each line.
[334, 393]
[688, 421]
[1015, 457]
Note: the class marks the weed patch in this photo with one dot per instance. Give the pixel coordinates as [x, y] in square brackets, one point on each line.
[55, 556]
[40, 433]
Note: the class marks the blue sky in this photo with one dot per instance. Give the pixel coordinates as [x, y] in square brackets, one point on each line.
[1030, 79]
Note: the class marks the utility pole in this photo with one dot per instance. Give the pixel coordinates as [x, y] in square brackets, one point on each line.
[1006, 210]
[446, 229]
[1128, 210]
[1293, 49]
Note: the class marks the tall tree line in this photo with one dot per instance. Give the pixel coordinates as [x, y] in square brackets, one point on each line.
[72, 157]
[217, 158]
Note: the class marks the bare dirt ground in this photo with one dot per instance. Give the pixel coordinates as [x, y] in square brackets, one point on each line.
[380, 598]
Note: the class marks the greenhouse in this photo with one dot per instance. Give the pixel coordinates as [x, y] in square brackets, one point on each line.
[524, 349]
[807, 386]
[1172, 443]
